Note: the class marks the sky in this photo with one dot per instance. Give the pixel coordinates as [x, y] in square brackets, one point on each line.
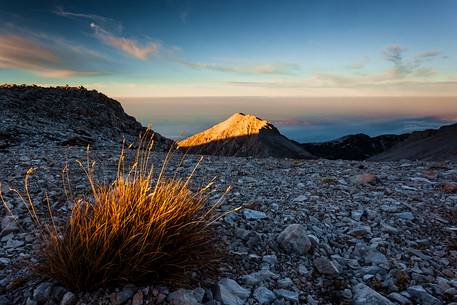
[264, 48]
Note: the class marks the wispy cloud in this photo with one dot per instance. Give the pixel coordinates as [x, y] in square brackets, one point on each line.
[275, 68]
[359, 65]
[25, 53]
[408, 75]
[126, 45]
[428, 54]
[61, 12]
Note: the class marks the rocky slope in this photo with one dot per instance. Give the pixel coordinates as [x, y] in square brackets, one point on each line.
[309, 231]
[243, 135]
[433, 144]
[65, 115]
[354, 147]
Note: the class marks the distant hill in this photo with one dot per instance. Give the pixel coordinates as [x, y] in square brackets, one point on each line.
[354, 147]
[429, 145]
[64, 115]
[244, 135]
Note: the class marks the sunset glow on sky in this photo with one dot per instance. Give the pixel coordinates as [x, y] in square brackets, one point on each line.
[233, 48]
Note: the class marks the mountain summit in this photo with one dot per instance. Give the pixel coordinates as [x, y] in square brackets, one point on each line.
[244, 135]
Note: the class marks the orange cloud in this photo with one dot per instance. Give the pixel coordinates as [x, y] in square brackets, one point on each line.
[127, 45]
[17, 52]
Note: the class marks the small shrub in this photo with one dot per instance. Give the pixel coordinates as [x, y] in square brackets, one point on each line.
[140, 228]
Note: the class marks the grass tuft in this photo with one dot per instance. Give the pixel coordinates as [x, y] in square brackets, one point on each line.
[142, 228]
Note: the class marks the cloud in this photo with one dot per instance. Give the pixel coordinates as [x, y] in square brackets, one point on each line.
[23, 53]
[394, 54]
[428, 54]
[277, 68]
[359, 65]
[126, 45]
[61, 12]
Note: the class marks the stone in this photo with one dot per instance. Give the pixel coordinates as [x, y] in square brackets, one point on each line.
[405, 216]
[69, 298]
[365, 179]
[4, 300]
[289, 295]
[364, 295]
[137, 298]
[184, 297]
[360, 231]
[285, 282]
[259, 276]
[448, 187]
[42, 293]
[120, 297]
[270, 259]
[325, 266]
[9, 225]
[264, 295]
[421, 296]
[294, 239]
[14, 243]
[253, 214]
[396, 297]
[229, 292]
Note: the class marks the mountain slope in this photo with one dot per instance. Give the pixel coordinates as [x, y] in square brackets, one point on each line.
[243, 135]
[354, 147]
[64, 115]
[429, 145]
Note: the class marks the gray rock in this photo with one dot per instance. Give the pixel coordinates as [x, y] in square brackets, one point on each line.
[42, 293]
[4, 300]
[287, 294]
[185, 297]
[253, 214]
[264, 295]
[396, 297]
[9, 225]
[69, 298]
[421, 296]
[229, 292]
[360, 231]
[326, 266]
[118, 298]
[294, 239]
[285, 282]
[14, 243]
[270, 259]
[405, 215]
[364, 295]
[259, 276]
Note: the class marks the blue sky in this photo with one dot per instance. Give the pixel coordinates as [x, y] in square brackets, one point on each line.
[233, 48]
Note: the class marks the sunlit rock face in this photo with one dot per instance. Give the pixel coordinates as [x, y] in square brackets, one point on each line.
[243, 135]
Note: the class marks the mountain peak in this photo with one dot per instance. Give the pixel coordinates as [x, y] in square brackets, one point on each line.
[243, 135]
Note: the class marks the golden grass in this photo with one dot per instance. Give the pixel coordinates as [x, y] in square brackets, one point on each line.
[141, 228]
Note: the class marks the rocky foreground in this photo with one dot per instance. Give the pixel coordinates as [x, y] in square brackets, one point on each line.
[309, 231]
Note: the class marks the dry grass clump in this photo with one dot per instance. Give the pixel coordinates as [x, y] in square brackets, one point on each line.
[141, 228]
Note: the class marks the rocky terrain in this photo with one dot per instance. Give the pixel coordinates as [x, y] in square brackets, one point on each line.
[244, 135]
[71, 116]
[308, 231]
